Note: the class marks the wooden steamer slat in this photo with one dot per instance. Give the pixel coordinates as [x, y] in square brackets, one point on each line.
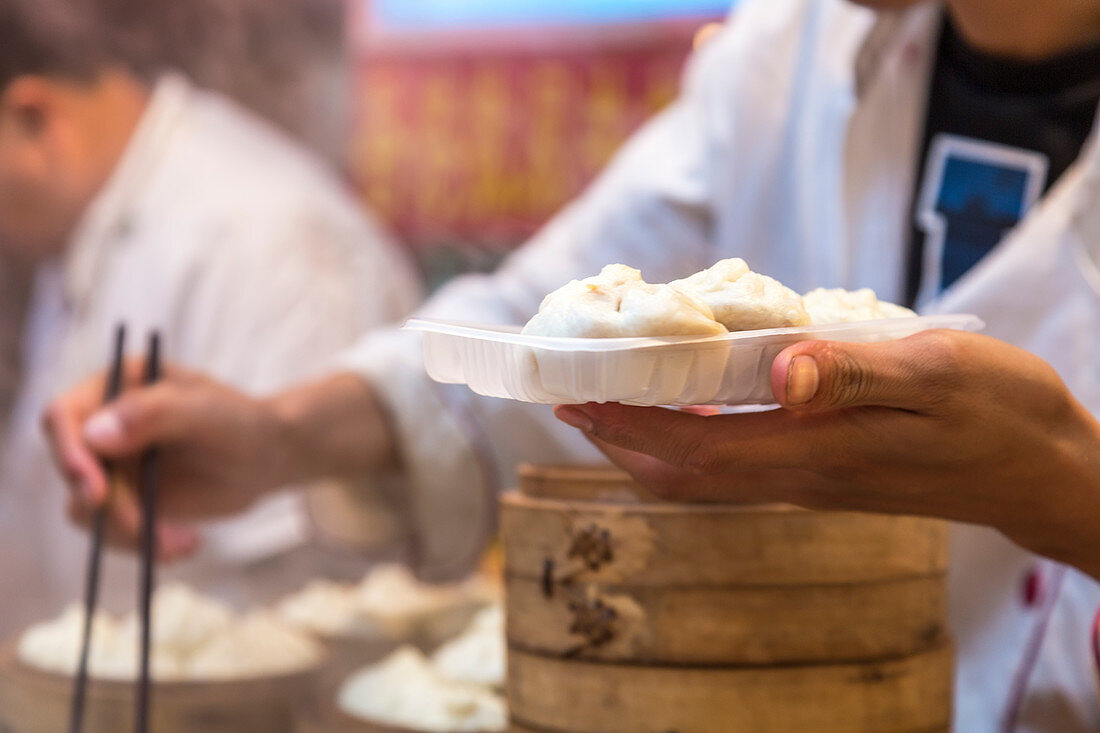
[32, 701]
[665, 545]
[900, 696]
[728, 625]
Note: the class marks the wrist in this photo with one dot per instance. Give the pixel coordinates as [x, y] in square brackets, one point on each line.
[334, 428]
[1070, 530]
[284, 418]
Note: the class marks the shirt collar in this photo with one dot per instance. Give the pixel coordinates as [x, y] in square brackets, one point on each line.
[888, 37]
[108, 217]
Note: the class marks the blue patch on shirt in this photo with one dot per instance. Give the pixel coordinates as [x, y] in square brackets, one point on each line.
[980, 202]
[974, 193]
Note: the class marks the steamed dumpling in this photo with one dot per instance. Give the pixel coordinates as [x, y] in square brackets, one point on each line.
[54, 646]
[183, 619]
[743, 300]
[844, 306]
[618, 303]
[323, 607]
[478, 655]
[405, 690]
[255, 646]
[194, 638]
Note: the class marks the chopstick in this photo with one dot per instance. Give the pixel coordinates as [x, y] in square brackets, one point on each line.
[95, 553]
[148, 548]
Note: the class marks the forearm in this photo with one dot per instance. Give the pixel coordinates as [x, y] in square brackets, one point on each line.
[334, 427]
[1071, 532]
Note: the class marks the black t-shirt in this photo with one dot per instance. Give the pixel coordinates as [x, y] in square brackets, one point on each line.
[999, 132]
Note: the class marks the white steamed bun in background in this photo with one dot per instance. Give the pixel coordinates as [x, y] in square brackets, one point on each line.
[405, 690]
[183, 620]
[325, 608]
[54, 646]
[844, 306]
[743, 300]
[478, 655]
[194, 638]
[617, 303]
[256, 646]
[388, 603]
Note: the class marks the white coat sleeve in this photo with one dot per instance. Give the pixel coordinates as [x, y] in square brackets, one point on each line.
[650, 209]
[281, 296]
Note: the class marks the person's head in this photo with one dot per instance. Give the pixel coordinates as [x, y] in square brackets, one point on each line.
[72, 87]
[1025, 29]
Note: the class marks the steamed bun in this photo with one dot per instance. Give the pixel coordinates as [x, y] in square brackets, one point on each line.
[844, 306]
[193, 638]
[255, 646]
[405, 690]
[183, 620]
[389, 603]
[618, 303]
[743, 300]
[54, 646]
[478, 655]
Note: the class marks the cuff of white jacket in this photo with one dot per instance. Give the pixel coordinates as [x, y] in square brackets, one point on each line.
[450, 496]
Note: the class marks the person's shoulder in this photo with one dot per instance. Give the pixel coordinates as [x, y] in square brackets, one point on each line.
[771, 53]
[240, 192]
[247, 166]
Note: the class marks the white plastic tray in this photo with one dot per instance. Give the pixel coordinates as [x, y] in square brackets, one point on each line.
[732, 369]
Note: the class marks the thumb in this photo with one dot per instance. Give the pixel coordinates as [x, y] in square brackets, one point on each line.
[134, 422]
[904, 374]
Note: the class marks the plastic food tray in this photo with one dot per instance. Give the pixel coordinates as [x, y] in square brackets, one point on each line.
[731, 369]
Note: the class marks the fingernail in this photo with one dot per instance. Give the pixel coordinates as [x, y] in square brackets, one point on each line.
[802, 380]
[574, 418]
[103, 427]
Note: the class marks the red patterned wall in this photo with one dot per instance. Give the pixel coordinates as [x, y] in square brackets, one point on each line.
[480, 141]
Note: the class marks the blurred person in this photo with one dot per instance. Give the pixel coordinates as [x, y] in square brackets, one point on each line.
[937, 153]
[128, 195]
[286, 60]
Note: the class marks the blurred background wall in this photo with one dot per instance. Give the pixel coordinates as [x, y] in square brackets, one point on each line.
[464, 123]
[476, 120]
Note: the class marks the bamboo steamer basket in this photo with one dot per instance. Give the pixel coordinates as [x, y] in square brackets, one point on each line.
[907, 695]
[625, 613]
[625, 579]
[32, 701]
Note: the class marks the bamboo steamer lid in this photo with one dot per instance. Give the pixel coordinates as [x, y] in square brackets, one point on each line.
[728, 625]
[712, 544]
[898, 696]
[32, 701]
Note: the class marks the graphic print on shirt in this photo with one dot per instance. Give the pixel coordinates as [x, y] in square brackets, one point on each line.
[973, 193]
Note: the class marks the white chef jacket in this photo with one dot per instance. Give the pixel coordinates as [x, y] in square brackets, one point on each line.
[255, 264]
[794, 145]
